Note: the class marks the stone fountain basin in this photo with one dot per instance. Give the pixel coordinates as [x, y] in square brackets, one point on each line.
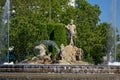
[50, 71]
[56, 68]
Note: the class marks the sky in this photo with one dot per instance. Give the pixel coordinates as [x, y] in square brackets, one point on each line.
[107, 11]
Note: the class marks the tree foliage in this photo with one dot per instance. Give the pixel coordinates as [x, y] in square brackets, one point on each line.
[38, 20]
[118, 52]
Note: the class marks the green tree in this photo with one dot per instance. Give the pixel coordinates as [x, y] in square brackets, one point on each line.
[118, 52]
[92, 37]
[35, 20]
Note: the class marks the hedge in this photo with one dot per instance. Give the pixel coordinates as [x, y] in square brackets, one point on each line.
[35, 33]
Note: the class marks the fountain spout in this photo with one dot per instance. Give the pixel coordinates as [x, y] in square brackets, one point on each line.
[4, 31]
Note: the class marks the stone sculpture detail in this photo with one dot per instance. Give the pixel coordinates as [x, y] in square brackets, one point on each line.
[68, 54]
[71, 32]
[40, 49]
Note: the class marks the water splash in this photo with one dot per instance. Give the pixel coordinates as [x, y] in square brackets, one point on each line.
[4, 28]
[6, 12]
[112, 39]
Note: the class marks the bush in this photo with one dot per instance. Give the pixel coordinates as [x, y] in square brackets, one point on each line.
[23, 35]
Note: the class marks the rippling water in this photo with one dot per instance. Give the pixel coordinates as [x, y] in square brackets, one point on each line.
[83, 78]
[59, 79]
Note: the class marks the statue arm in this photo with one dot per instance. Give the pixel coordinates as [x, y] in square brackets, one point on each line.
[75, 31]
[67, 26]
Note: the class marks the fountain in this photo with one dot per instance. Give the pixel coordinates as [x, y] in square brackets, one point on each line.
[39, 71]
[112, 40]
[4, 32]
